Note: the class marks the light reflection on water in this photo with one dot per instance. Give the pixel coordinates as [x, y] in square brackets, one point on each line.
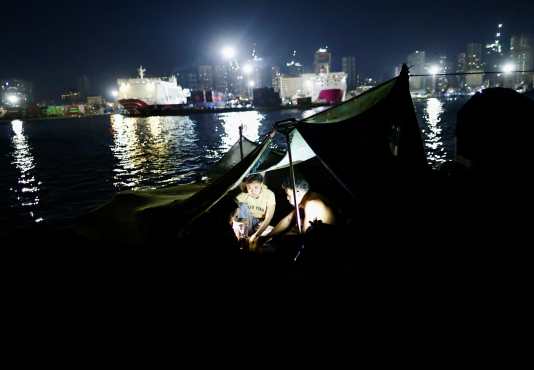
[432, 132]
[251, 122]
[148, 153]
[152, 152]
[27, 188]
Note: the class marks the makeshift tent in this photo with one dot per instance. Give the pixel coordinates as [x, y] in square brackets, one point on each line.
[369, 146]
[364, 141]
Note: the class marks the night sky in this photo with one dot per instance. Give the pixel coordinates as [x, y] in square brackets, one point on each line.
[52, 43]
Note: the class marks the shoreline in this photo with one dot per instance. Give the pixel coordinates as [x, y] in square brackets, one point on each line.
[175, 112]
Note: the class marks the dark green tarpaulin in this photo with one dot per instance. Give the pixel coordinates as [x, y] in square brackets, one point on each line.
[137, 217]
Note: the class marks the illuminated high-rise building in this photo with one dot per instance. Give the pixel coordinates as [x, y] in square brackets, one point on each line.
[494, 57]
[522, 57]
[348, 65]
[205, 77]
[442, 82]
[221, 78]
[461, 67]
[474, 64]
[322, 61]
[495, 50]
[417, 63]
[293, 68]
[275, 78]
[521, 52]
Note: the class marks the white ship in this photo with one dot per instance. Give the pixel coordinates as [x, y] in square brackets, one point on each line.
[328, 88]
[150, 95]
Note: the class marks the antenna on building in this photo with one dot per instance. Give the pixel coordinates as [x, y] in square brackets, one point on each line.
[141, 71]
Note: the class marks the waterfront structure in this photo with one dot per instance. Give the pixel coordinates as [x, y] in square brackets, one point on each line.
[494, 57]
[417, 63]
[205, 77]
[265, 97]
[15, 93]
[293, 67]
[461, 67]
[322, 61]
[258, 74]
[84, 86]
[222, 78]
[190, 80]
[255, 73]
[95, 100]
[442, 82]
[275, 78]
[522, 57]
[348, 65]
[71, 97]
[474, 63]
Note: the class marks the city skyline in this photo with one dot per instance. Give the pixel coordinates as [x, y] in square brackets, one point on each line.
[105, 42]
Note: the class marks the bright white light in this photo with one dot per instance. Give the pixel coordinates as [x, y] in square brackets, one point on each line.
[251, 84]
[247, 69]
[13, 99]
[228, 52]
[500, 25]
[114, 93]
[508, 68]
[434, 69]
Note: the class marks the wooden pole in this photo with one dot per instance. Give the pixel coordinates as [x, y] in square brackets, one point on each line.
[241, 141]
[293, 182]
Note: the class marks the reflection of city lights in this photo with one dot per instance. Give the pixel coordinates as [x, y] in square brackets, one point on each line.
[150, 152]
[508, 68]
[231, 122]
[433, 133]
[28, 187]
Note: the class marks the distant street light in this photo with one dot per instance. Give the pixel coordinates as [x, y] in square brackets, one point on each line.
[508, 68]
[114, 93]
[13, 99]
[228, 52]
[248, 69]
[251, 84]
[434, 70]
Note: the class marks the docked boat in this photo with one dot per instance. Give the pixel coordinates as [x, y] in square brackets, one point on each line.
[144, 95]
